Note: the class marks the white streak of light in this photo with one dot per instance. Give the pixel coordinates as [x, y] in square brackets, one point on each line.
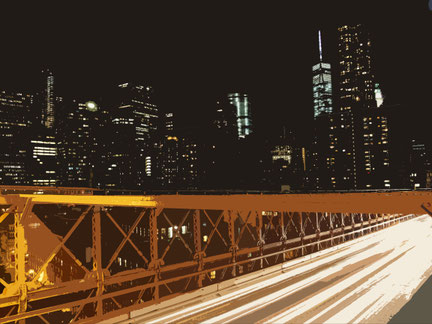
[312, 302]
[353, 247]
[271, 298]
[401, 279]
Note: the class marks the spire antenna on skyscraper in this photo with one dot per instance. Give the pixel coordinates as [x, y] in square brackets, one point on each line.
[320, 45]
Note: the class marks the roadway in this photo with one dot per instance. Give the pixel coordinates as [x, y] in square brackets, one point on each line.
[367, 280]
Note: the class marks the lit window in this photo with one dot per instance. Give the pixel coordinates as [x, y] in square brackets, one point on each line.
[213, 275]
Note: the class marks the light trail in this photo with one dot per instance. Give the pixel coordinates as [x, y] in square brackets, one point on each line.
[365, 242]
[361, 279]
[399, 280]
[318, 299]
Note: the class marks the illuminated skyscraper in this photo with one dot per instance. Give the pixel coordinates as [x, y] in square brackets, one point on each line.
[323, 158]
[44, 167]
[322, 85]
[47, 99]
[243, 113]
[356, 80]
[359, 131]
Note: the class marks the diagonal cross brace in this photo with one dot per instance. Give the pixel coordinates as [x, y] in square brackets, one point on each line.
[62, 244]
[179, 236]
[125, 235]
[243, 227]
[291, 216]
[126, 238]
[215, 229]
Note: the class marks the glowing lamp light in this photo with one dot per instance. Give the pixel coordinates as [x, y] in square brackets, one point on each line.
[91, 106]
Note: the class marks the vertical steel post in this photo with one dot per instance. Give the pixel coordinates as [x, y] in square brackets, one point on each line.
[260, 237]
[331, 228]
[154, 258]
[370, 223]
[21, 210]
[302, 233]
[318, 231]
[97, 257]
[233, 246]
[197, 244]
[343, 226]
[283, 234]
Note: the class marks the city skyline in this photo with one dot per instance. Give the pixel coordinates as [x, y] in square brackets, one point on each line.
[265, 58]
[338, 140]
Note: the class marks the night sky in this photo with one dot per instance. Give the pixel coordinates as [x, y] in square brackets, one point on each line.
[196, 52]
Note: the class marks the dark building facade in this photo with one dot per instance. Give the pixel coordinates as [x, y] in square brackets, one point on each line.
[225, 119]
[15, 130]
[420, 159]
[130, 134]
[167, 153]
[288, 163]
[78, 137]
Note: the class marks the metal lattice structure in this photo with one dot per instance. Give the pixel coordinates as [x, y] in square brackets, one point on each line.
[83, 258]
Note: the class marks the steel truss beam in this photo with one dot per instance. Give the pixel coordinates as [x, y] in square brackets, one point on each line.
[275, 227]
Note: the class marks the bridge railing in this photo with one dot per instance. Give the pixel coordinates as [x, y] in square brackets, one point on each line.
[73, 258]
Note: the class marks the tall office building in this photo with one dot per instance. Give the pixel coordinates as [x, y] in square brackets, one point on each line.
[132, 129]
[356, 94]
[322, 85]
[420, 164]
[44, 163]
[222, 146]
[78, 143]
[15, 150]
[47, 99]
[373, 162]
[288, 162]
[166, 164]
[225, 119]
[323, 146]
[190, 162]
[356, 79]
[243, 113]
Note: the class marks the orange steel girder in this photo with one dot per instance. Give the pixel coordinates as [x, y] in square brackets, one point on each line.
[288, 213]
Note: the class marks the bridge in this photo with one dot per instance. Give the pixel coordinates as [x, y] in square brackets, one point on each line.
[71, 256]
